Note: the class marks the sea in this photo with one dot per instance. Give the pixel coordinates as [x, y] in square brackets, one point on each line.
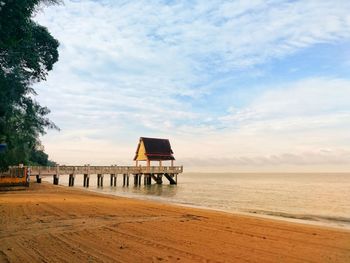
[312, 198]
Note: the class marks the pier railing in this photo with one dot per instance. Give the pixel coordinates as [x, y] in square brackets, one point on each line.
[58, 170]
[149, 173]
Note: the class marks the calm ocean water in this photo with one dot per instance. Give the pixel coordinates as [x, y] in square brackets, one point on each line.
[309, 198]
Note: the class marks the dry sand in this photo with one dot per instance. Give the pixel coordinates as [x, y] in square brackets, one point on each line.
[47, 223]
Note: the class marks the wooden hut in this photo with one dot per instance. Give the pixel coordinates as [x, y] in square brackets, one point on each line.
[154, 149]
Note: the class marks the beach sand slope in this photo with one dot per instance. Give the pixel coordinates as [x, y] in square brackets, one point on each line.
[46, 223]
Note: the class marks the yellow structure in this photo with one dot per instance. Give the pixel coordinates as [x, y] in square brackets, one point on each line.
[18, 176]
[154, 149]
[141, 152]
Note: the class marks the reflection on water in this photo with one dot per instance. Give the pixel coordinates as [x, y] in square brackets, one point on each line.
[154, 190]
[160, 190]
[321, 198]
[149, 191]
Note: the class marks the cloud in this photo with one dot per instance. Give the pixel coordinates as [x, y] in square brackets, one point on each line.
[318, 160]
[317, 101]
[152, 68]
[300, 124]
[177, 43]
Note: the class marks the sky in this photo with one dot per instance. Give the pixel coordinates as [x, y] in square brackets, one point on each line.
[236, 86]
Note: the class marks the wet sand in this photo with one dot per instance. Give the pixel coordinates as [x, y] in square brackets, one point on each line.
[46, 223]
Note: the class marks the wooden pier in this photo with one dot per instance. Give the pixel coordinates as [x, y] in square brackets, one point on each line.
[148, 150]
[149, 173]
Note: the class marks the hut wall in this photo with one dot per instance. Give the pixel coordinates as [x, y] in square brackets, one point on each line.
[141, 154]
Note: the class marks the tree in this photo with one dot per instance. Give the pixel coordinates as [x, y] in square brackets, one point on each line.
[39, 157]
[27, 54]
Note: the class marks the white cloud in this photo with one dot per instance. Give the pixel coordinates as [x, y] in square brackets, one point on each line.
[137, 68]
[305, 98]
[301, 124]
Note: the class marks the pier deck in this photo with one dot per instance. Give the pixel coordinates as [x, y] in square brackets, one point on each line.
[64, 170]
[149, 173]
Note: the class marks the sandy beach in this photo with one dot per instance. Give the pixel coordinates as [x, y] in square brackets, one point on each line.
[46, 223]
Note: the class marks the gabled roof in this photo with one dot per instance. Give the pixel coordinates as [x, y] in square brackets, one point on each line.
[156, 149]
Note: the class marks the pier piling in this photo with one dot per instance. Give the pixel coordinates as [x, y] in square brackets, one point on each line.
[148, 179]
[139, 182]
[55, 179]
[137, 179]
[86, 180]
[159, 179]
[149, 173]
[38, 179]
[71, 180]
[113, 180]
[99, 180]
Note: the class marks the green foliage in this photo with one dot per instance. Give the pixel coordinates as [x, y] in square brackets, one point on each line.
[27, 53]
[40, 158]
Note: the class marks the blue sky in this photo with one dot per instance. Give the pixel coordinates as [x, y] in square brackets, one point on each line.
[235, 85]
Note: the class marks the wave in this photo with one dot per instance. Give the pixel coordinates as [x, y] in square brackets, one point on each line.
[319, 218]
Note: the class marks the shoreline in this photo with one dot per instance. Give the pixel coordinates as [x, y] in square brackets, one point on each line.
[57, 223]
[308, 222]
[296, 221]
[293, 218]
